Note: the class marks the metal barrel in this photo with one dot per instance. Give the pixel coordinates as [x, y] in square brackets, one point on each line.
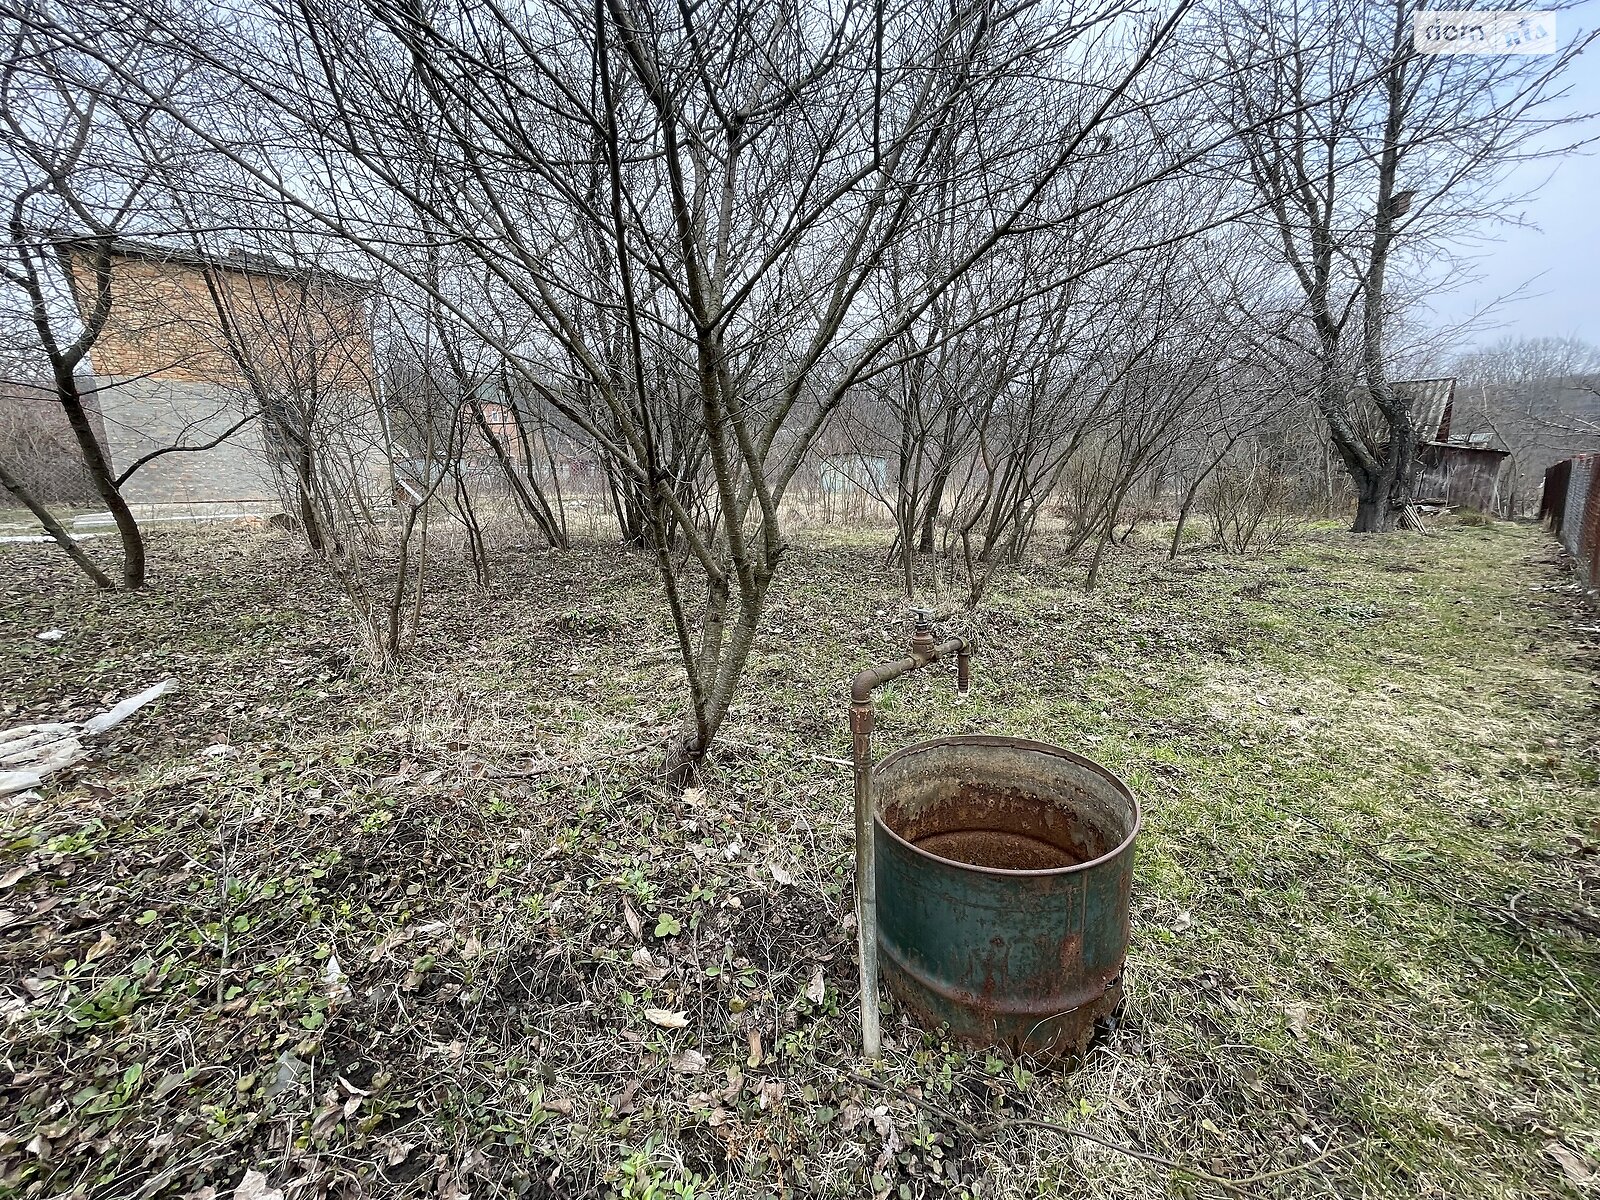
[1004, 868]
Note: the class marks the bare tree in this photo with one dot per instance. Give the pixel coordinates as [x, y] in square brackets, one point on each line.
[1247, 497]
[72, 163]
[739, 209]
[85, 166]
[1539, 398]
[1380, 152]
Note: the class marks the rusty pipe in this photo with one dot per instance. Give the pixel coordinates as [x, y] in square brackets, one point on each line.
[923, 651]
[873, 678]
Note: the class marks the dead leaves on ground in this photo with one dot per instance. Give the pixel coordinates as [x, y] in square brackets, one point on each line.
[1579, 1169]
[666, 1019]
[254, 1187]
[688, 1062]
[817, 989]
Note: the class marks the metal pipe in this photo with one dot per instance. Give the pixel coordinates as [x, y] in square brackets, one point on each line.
[923, 651]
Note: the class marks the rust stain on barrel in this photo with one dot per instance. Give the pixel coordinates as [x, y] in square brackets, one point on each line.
[1004, 872]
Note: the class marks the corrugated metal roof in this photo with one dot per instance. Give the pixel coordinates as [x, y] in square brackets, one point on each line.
[1430, 405]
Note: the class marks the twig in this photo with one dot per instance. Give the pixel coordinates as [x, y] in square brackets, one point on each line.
[1532, 936]
[1237, 1186]
[184, 449]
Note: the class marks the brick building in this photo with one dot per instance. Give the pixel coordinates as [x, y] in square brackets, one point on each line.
[194, 345]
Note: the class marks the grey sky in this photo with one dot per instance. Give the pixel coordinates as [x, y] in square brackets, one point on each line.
[1555, 260]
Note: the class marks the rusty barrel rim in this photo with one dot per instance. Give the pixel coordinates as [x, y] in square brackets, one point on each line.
[1012, 743]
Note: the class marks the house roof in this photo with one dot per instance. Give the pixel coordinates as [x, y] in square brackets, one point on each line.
[1464, 450]
[245, 262]
[1430, 405]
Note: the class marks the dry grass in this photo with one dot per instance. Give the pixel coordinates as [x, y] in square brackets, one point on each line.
[1364, 933]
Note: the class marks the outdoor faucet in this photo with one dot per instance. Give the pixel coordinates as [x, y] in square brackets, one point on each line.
[922, 651]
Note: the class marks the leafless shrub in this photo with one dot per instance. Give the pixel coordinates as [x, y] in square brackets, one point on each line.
[1247, 502]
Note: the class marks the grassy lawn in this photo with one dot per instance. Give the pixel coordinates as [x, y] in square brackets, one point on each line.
[397, 936]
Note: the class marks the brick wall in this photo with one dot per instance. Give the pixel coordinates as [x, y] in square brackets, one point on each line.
[188, 346]
[1578, 522]
[182, 319]
[1588, 550]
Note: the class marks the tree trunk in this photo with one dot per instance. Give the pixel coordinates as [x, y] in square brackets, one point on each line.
[1093, 577]
[930, 511]
[57, 531]
[1374, 511]
[105, 480]
[308, 511]
[1384, 495]
[723, 654]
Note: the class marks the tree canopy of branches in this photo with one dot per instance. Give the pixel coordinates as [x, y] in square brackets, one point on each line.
[693, 210]
[994, 242]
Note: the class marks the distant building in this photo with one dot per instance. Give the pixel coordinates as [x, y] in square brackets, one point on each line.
[1464, 476]
[1466, 472]
[847, 474]
[196, 343]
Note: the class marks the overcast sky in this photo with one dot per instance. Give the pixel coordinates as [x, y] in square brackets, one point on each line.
[1556, 261]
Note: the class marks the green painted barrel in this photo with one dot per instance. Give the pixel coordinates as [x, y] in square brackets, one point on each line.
[1004, 869]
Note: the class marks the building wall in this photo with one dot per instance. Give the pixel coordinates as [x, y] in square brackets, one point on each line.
[190, 347]
[180, 320]
[1589, 537]
[142, 414]
[1464, 475]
